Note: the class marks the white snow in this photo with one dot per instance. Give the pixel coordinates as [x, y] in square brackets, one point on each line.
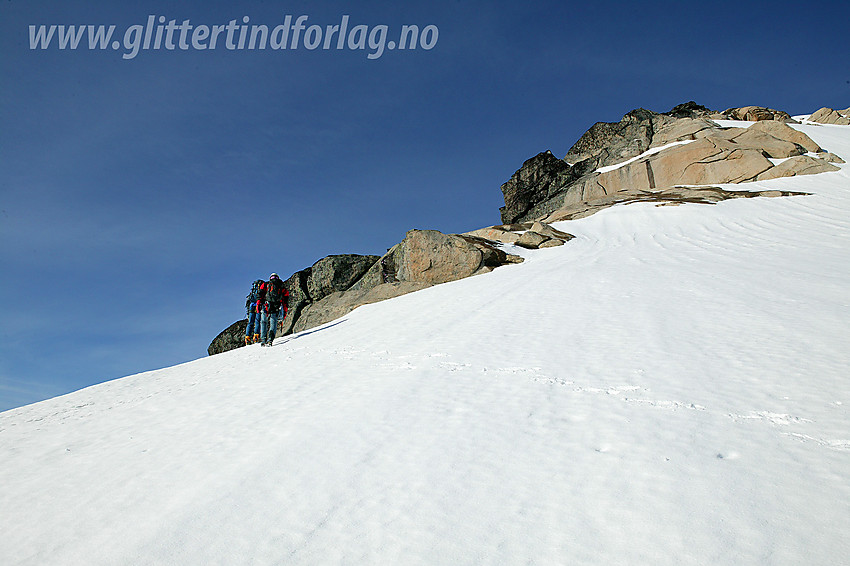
[670, 387]
[651, 151]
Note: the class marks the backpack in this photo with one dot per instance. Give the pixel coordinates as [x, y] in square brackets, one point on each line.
[276, 293]
[254, 295]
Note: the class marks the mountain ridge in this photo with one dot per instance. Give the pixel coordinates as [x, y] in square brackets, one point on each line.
[638, 159]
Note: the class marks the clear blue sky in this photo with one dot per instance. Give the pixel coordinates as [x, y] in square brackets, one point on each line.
[140, 197]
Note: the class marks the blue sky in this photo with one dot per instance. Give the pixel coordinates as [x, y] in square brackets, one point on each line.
[139, 198]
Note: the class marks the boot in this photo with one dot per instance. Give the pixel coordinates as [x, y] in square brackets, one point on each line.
[247, 340]
[256, 338]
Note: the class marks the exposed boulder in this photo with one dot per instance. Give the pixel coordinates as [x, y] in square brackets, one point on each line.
[550, 232]
[829, 116]
[799, 165]
[429, 256]
[230, 338]
[530, 235]
[531, 240]
[496, 234]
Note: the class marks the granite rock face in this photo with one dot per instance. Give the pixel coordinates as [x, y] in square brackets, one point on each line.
[230, 338]
[646, 151]
[537, 188]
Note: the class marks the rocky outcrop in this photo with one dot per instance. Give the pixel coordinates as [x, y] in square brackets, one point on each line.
[757, 114]
[538, 180]
[231, 337]
[647, 151]
[668, 159]
[689, 110]
[830, 116]
[684, 129]
[328, 275]
[607, 143]
[530, 235]
[746, 113]
[431, 257]
[336, 285]
[537, 188]
[424, 258]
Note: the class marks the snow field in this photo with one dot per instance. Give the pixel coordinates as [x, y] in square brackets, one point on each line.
[670, 387]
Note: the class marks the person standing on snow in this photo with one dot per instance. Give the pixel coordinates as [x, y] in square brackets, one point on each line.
[274, 308]
[252, 305]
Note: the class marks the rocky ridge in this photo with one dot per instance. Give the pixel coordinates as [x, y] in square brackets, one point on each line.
[657, 155]
[667, 158]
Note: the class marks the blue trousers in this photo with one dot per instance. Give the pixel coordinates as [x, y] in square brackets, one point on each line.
[269, 326]
[254, 319]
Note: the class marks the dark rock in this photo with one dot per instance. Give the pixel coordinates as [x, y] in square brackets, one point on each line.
[299, 298]
[328, 275]
[539, 187]
[538, 180]
[230, 338]
[337, 273]
[689, 109]
[607, 143]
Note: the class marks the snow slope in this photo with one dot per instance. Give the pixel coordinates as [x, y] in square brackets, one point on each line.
[671, 387]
